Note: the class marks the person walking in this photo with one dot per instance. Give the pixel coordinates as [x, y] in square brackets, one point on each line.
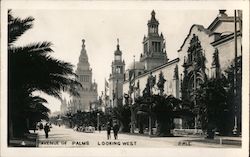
[35, 127]
[99, 128]
[108, 130]
[46, 130]
[116, 130]
[41, 126]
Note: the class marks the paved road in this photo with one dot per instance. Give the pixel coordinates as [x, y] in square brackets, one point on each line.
[65, 137]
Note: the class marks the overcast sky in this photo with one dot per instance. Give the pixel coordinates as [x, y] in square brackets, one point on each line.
[101, 28]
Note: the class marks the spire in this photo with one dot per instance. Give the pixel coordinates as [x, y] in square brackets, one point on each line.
[153, 25]
[83, 43]
[153, 19]
[118, 46]
[83, 51]
[118, 51]
[153, 14]
[83, 62]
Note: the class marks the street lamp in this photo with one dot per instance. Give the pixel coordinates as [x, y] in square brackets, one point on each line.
[149, 102]
[151, 83]
[98, 120]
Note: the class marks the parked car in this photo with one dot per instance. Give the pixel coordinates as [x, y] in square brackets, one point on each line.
[89, 129]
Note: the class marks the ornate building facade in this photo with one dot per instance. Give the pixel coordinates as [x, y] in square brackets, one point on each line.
[205, 53]
[88, 91]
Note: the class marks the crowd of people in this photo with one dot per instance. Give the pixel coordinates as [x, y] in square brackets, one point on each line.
[115, 128]
[46, 127]
[109, 127]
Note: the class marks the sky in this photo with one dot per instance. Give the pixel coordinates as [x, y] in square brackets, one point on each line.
[101, 28]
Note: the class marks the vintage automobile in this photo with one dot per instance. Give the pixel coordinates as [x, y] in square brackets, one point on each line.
[89, 129]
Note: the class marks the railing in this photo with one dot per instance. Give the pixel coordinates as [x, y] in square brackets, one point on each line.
[188, 131]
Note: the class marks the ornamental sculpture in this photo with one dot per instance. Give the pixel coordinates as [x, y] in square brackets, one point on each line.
[161, 83]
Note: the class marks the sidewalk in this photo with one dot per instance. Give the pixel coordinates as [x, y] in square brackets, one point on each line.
[196, 140]
[30, 140]
[235, 141]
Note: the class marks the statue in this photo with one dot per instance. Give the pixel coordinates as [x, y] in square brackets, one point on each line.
[151, 80]
[216, 64]
[126, 97]
[176, 73]
[146, 91]
[150, 84]
[161, 83]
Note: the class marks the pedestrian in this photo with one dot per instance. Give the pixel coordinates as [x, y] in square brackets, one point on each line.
[41, 126]
[34, 125]
[99, 128]
[108, 130]
[46, 130]
[116, 130]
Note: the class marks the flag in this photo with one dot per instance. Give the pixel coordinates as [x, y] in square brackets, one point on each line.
[106, 84]
[114, 95]
[240, 19]
[132, 78]
[106, 87]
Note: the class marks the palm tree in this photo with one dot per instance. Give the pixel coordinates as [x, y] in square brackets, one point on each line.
[213, 107]
[30, 69]
[164, 108]
[122, 114]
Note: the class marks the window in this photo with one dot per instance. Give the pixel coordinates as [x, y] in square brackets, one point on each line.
[145, 47]
[81, 78]
[86, 78]
[156, 46]
[118, 57]
[118, 70]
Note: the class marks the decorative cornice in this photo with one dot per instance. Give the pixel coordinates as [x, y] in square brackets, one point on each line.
[225, 39]
[219, 20]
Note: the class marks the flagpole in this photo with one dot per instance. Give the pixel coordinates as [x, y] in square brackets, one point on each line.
[130, 95]
[134, 77]
[116, 88]
[235, 130]
[105, 91]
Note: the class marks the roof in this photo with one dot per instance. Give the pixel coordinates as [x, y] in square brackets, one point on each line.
[200, 28]
[153, 20]
[136, 65]
[174, 61]
[118, 51]
[225, 38]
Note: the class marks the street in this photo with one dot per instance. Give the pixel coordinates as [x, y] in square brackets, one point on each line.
[65, 137]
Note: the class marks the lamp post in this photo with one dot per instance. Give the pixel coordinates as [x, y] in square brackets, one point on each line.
[98, 120]
[149, 118]
[131, 90]
[151, 83]
[132, 130]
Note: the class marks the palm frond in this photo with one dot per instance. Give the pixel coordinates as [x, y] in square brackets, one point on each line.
[17, 26]
[32, 100]
[37, 70]
[40, 48]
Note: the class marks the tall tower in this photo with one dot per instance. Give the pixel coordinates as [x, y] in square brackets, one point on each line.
[88, 92]
[154, 51]
[116, 77]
